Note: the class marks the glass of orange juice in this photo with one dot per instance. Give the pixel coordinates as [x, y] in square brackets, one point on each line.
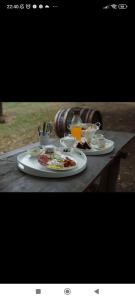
[76, 132]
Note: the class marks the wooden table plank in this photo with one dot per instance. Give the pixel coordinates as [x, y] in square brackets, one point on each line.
[13, 180]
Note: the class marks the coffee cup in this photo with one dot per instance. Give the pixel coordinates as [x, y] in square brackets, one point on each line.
[68, 141]
[44, 138]
[99, 140]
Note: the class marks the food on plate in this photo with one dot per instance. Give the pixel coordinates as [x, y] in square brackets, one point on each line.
[57, 162]
[43, 159]
[35, 152]
[68, 162]
[49, 149]
[83, 146]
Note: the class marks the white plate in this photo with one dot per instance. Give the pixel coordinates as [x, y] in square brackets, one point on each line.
[109, 147]
[31, 166]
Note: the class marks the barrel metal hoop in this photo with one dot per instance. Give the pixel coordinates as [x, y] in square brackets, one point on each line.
[65, 118]
[81, 114]
[56, 120]
[91, 115]
[87, 115]
[61, 125]
[59, 130]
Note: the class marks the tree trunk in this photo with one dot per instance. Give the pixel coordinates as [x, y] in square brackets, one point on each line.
[2, 119]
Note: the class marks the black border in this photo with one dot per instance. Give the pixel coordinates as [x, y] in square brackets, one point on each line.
[100, 247]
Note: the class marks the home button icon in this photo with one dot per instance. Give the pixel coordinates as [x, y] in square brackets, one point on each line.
[67, 291]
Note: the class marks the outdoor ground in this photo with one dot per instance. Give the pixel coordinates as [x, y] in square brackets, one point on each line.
[23, 119]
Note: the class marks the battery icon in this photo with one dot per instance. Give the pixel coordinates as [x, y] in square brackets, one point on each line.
[122, 6]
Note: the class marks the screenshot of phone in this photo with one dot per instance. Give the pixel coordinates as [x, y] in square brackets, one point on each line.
[66, 113]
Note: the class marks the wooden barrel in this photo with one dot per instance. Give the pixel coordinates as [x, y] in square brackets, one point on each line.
[64, 117]
[91, 116]
[62, 121]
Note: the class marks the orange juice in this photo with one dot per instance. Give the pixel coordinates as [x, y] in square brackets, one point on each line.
[76, 132]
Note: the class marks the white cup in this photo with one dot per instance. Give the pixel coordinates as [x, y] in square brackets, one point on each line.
[99, 140]
[68, 141]
[44, 139]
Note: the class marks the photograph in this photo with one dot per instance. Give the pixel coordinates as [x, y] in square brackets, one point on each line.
[67, 147]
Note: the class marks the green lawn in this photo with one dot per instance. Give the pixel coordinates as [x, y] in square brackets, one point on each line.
[22, 121]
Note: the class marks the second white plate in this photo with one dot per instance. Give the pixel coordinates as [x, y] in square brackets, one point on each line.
[109, 147]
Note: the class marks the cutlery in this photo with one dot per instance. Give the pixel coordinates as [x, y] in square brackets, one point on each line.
[49, 127]
[39, 130]
[44, 127]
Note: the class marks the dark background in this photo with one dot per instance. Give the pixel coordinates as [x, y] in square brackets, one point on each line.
[66, 58]
[78, 50]
[66, 54]
[61, 239]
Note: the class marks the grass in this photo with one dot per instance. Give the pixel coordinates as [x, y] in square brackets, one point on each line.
[22, 121]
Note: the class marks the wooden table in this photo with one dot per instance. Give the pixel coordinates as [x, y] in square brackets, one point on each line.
[105, 167]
